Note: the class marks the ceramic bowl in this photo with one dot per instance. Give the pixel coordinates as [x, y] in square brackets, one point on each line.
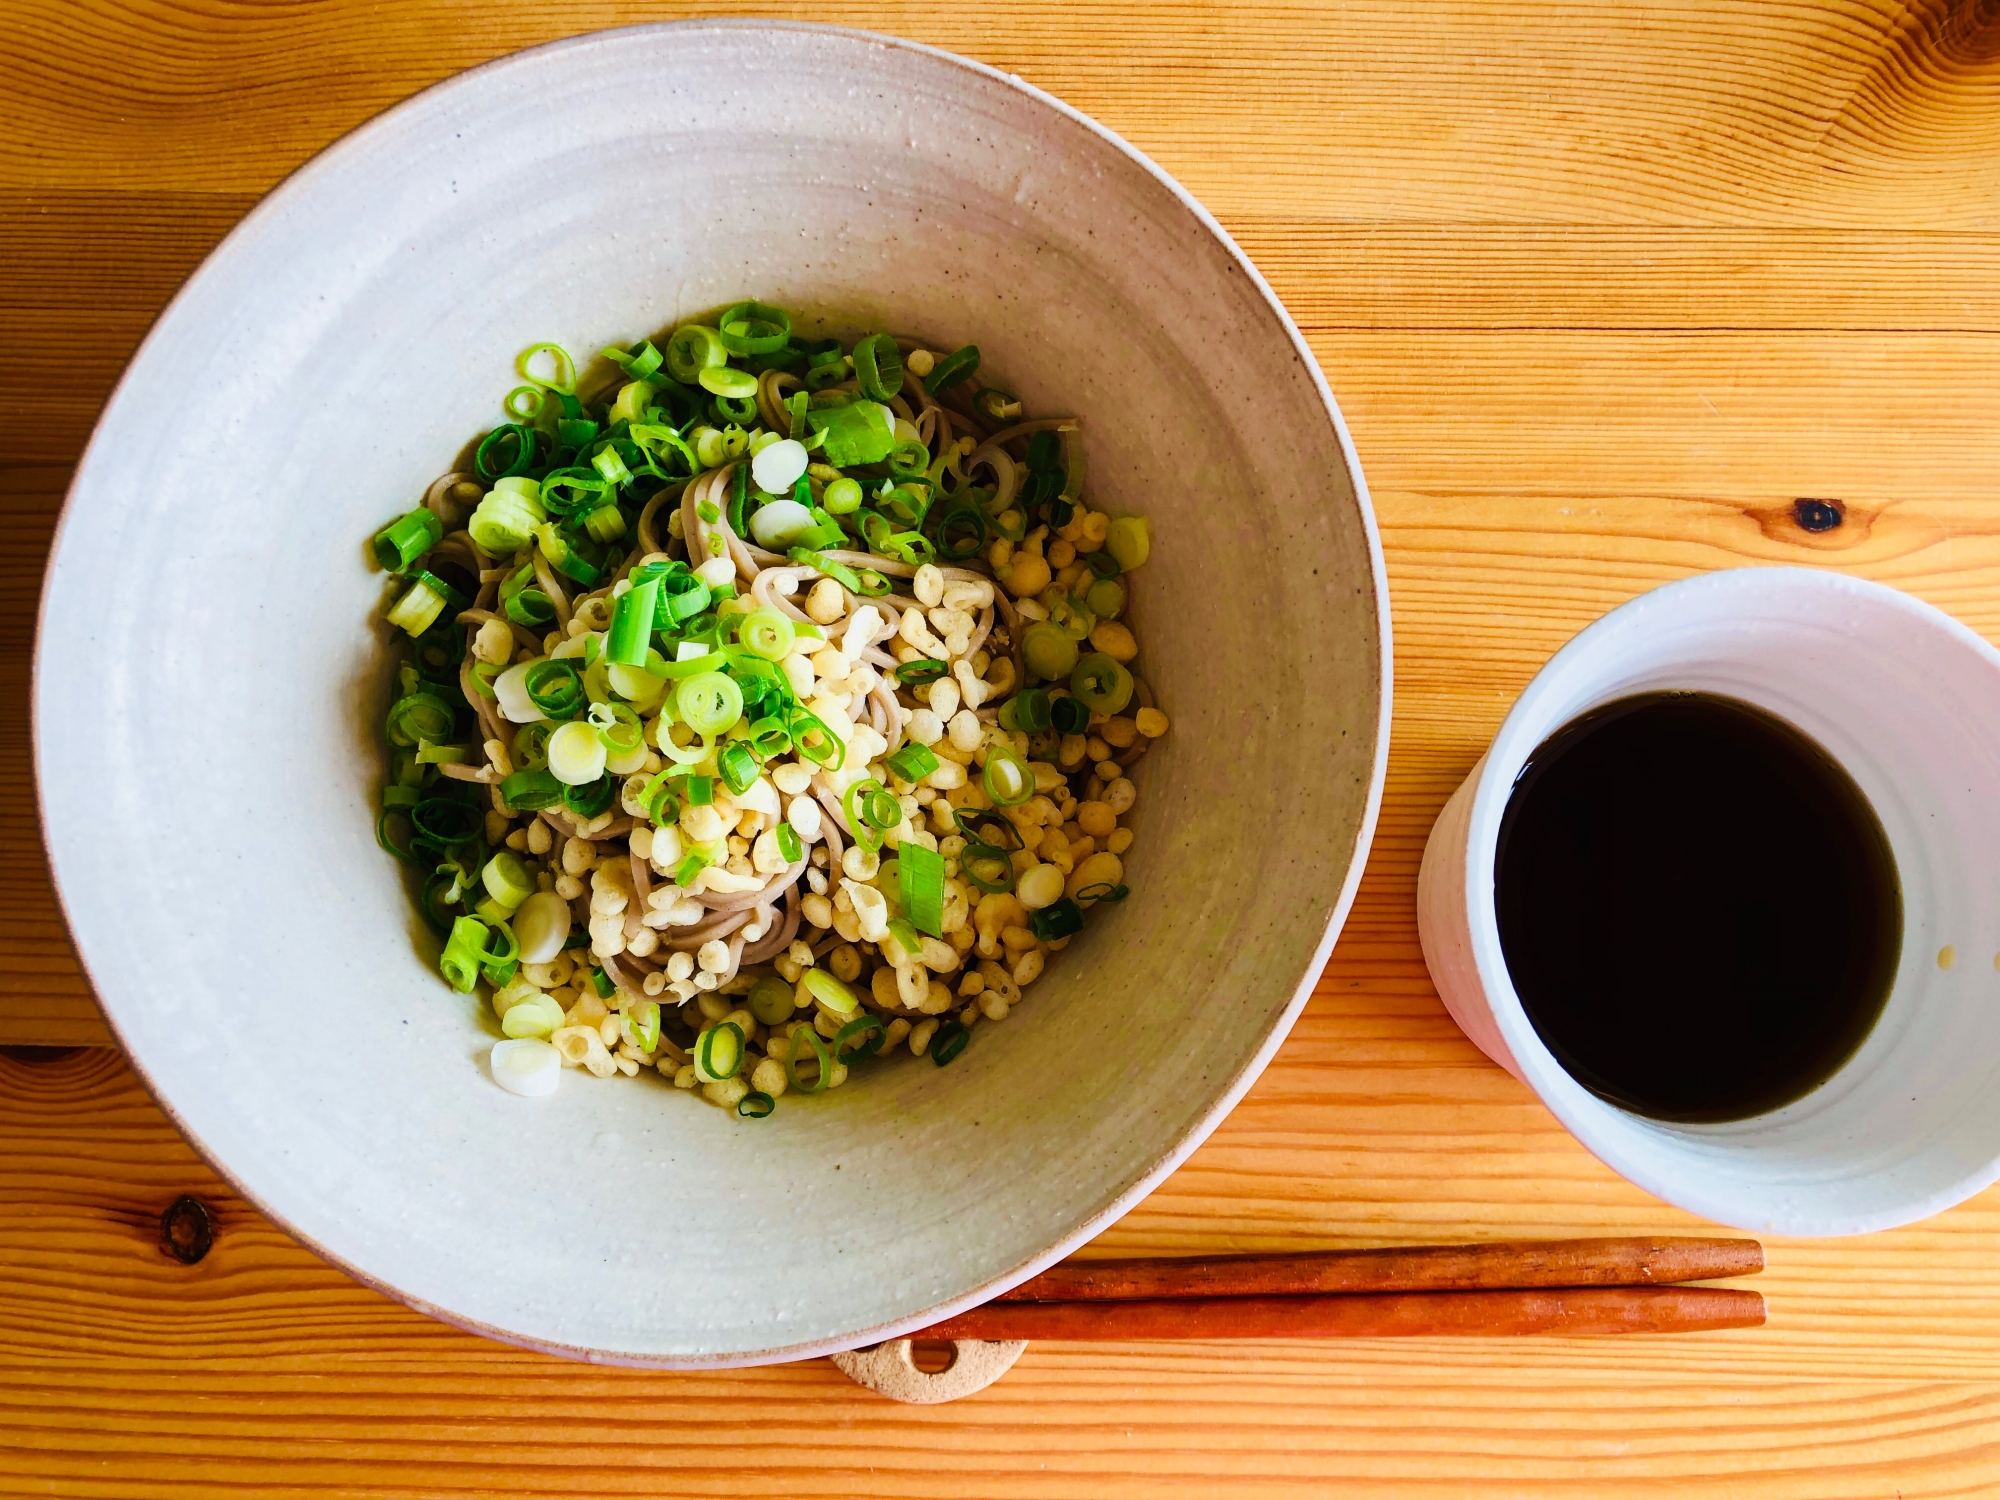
[211, 679]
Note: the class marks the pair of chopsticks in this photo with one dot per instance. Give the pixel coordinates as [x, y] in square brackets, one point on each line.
[1568, 1287]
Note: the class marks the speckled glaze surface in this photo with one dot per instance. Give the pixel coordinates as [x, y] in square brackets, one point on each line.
[210, 681]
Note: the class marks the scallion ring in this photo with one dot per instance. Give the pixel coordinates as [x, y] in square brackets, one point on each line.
[754, 328]
[871, 1027]
[709, 703]
[718, 1052]
[1007, 780]
[459, 963]
[805, 1037]
[756, 1105]
[555, 687]
[958, 365]
[878, 368]
[693, 349]
[922, 672]
[949, 1040]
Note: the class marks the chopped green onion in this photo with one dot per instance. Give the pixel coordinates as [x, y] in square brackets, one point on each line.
[1105, 598]
[830, 992]
[920, 877]
[949, 1040]
[507, 879]
[619, 726]
[564, 380]
[1130, 541]
[708, 703]
[524, 403]
[420, 606]
[420, 716]
[632, 624]
[1103, 564]
[1008, 781]
[921, 672]
[1057, 920]
[905, 934]
[1104, 890]
[1044, 450]
[805, 1036]
[754, 328]
[756, 1105]
[962, 531]
[878, 367]
[1027, 711]
[459, 963]
[442, 755]
[842, 497]
[576, 755]
[693, 349]
[382, 836]
[445, 821]
[601, 982]
[861, 432]
[507, 452]
[1101, 684]
[605, 524]
[507, 515]
[770, 1000]
[790, 845]
[659, 801]
[699, 790]
[816, 742]
[768, 633]
[738, 767]
[954, 367]
[531, 791]
[498, 961]
[880, 809]
[913, 762]
[769, 737]
[997, 405]
[986, 866]
[691, 866]
[722, 380]
[1068, 715]
[718, 1052]
[871, 1027]
[1048, 650]
[641, 361]
[407, 538]
[644, 1016]
[591, 799]
[555, 687]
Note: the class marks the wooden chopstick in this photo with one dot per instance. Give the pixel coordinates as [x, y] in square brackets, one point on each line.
[1629, 1261]
[1577, 1311]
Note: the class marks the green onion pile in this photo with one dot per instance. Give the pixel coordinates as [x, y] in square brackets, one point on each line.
[767, 710]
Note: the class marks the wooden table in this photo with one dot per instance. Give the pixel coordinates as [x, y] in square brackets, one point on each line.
[1603, 291]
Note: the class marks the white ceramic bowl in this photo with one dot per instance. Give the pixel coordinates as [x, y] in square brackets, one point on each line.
[210, 682]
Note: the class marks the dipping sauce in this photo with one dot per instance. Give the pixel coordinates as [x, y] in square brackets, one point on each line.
[1699, 908]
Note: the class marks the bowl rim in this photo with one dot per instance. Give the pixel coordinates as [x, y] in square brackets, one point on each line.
[276, 200]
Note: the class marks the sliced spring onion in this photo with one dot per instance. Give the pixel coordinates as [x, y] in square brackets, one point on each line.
[632, 624]
[756, 1105]
[507, 879]
[878, 367]
[754, 328]
[780, 465]
[770, 1000]
[1101, 684]
[790, 845]
[605, 524]
[768, 633]
[420, 716]
[659, 801]
[502, 955]
[407, 538]
[591, 799]
[1068, 715]
[1130, 541]
[802, 1038]
[920, 878]
[531, 744]
[830, 991]
[718, 1052]
[601, 982]
[816, 742]
[507, 516]
[842, 497]
[459, 963]
[1059, 919]
[958, 365]
[442, 755]
[508, 451]
[420, 605]
[949, 1040]
[699, 790]
[872, 1028]
[921, 672]
[905, 934]
[1105, 598]
[722, 380]
[619, 727]
[638, 362]
[576, 754]
[445, 821]
[691, 866]
[1008, 781]
[527, 1066]
[997, 405]
[1047, 650]
[1027, 711]
[913, 762]
[692, 349]
[555, 687]
[737, 767]
[531, 791]
[708, 703]
[1104, 890]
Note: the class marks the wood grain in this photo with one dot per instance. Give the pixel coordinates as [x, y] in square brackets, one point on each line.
[1602, 289]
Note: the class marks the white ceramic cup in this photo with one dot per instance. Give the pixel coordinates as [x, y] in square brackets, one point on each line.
[1908, 701]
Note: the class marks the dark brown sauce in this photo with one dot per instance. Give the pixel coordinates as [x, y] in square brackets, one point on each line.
[1698, 907]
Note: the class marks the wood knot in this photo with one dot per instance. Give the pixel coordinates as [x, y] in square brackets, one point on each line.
[186, 1230]
[1818, 515]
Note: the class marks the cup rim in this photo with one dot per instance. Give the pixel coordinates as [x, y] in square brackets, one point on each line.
[1583, 1114]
